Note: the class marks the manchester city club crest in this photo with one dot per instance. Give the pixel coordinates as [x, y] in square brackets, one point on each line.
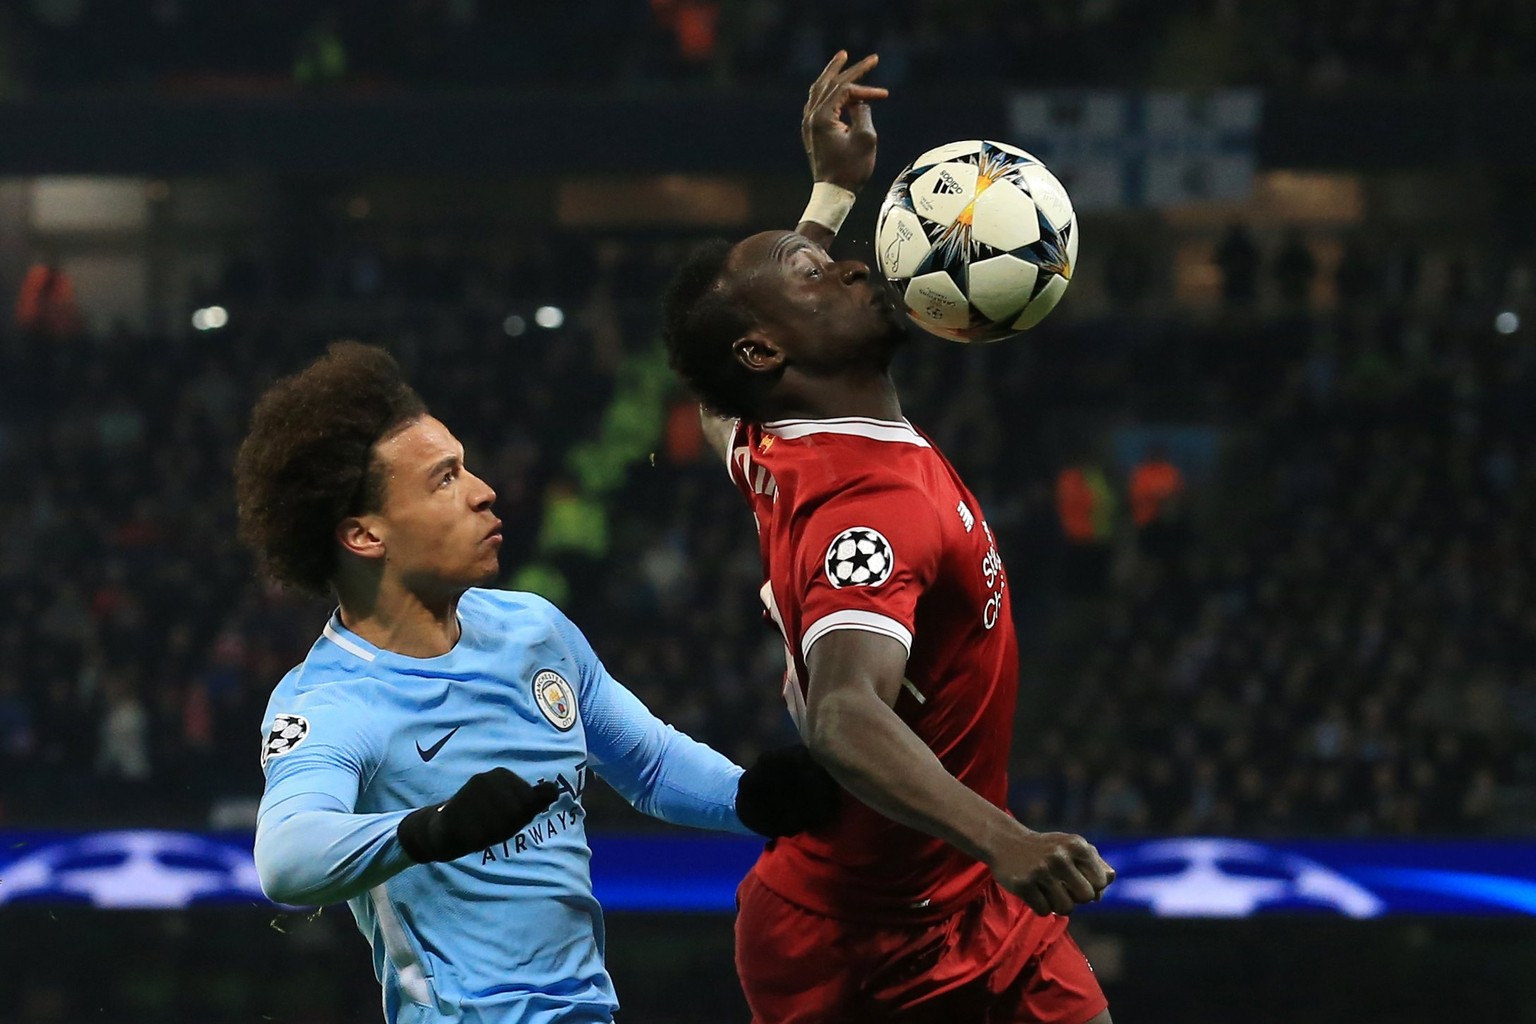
[555, 698]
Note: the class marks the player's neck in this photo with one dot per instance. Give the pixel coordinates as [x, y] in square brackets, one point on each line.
[396, 619]
[872, 397]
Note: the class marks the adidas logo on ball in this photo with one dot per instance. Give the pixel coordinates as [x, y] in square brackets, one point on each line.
[947, 185]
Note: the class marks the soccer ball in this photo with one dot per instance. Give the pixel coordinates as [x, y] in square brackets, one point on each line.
[979, 238]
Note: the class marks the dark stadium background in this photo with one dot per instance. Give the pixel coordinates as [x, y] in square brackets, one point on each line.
[1306, 275]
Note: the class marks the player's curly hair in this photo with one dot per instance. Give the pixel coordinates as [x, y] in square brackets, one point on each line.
[308, 461]
[700, 321]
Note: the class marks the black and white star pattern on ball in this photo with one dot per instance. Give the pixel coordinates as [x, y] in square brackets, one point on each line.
[860, 556]
[288, 731]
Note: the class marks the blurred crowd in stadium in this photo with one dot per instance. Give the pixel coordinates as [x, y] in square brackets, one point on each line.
[1322, 623]
[62, 43]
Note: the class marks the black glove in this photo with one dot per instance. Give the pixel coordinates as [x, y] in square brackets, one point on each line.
[785, 792]
[490, 808]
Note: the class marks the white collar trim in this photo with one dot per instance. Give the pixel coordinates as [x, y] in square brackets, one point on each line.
[898, 431]
[336, 637]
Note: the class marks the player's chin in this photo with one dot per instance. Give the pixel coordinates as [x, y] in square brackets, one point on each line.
[483, 571]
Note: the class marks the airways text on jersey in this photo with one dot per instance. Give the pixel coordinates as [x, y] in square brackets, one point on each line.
[564, 815]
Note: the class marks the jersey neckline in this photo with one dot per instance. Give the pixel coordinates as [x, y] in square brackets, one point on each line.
[896, 431]
[356, 646]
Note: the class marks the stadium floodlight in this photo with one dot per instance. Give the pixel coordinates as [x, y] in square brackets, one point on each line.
[549, 317]
[514, 326]
[1507, 322]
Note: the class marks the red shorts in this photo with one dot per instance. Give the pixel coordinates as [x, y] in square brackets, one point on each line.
[994, 961]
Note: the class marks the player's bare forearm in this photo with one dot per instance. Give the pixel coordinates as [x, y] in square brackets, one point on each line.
[854, 731]
[871, 753]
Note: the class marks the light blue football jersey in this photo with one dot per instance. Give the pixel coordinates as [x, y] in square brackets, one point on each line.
[356, 737]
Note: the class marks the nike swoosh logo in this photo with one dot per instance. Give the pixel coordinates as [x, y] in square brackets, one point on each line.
[431, 752]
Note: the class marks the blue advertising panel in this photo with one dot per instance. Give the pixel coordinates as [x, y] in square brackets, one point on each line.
[672, 872]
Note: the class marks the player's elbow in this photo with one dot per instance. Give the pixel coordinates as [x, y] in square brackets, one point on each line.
[280, 880]
[279, 891]
[285, 873]
[277, 881]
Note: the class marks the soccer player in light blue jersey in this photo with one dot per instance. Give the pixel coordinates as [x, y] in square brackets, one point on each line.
[426, 761]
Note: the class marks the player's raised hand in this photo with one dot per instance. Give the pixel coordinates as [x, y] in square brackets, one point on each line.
[841, 152]
[1052, 871]
[490, 808]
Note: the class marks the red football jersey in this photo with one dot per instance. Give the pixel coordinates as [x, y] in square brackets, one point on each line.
[863, 524]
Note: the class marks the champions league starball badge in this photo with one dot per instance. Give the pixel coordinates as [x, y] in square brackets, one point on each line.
[860, 556]
[288, 731]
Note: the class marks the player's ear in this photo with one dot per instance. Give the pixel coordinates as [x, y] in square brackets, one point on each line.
[360, 535]
[757, 352]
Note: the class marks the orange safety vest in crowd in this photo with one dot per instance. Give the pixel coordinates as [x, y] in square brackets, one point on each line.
[1152, 483]
[1075, 505]
[47, 302]
[694, 22]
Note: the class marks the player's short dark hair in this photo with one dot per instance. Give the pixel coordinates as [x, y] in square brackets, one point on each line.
[308, 461]
[700, 321]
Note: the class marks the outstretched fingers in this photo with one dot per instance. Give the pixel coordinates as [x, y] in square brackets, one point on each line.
[826, 82]
[838, 86]
[835, 65]
[859, 70]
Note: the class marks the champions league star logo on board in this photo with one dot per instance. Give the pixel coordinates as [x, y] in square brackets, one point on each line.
[1230, 878]
[133, 870]
[859, 557]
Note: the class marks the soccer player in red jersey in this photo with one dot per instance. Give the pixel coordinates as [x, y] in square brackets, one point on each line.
[926, 900]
